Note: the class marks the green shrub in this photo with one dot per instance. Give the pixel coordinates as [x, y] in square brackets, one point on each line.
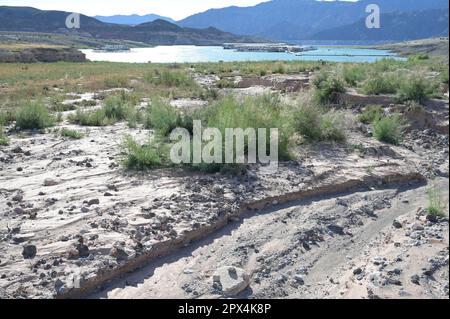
[326, 88]
[388, 129]
[354, 74]
[380, 84]
[91, 118]
[34, 115]
[71, 134]
[436, 204]
[252, 112]
[315, 124]
[4, 141]
[141, 157]
[162, 117]
[371, 113]
[415, 90]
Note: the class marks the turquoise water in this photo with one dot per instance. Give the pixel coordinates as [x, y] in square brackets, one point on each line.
[194, 54]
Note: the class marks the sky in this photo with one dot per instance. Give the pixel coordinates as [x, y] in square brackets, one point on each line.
[175, 9]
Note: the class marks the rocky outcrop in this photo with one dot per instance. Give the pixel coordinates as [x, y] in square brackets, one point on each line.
[30, 55]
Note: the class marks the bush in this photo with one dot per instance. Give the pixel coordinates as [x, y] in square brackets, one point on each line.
[252, 112]
[415, 90]
[317, 125]
[354, 74]
[389, 129]
[90, 118]
[142, 157]
[378, 84]
[326, 88]
[371, 114]
[162, 117]
[71, 134]
[34, 115]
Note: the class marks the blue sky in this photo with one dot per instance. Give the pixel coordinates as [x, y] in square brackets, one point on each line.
[176, 9]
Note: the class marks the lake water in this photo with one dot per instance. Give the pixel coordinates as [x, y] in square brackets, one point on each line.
[194, 54]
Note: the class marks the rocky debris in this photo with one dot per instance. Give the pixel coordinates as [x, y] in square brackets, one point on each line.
[29, 251]
[232, 280]
[397, 224]
[94, 201]
[50, 182]
[79, 250]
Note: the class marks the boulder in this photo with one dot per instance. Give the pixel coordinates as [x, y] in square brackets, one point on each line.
[233, 280]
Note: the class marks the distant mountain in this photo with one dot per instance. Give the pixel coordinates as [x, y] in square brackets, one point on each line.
[158, 32]
[299, 19]
[394, 27]
[132, 19]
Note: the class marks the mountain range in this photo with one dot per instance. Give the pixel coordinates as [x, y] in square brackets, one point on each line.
[158, 32]
[279, 20]
[133, 19]
[308, 19]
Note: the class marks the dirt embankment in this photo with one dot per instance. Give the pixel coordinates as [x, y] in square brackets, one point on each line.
[30, 55]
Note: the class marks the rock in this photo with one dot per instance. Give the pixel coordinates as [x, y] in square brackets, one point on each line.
[119, 253]
[20, 238]
[233, 280]
[415, 279]
[417, 227]
[79, 251]
[299, 279]
[50, 182]
[336, 229]
[84, 210]
[17, 150]
[357, 271]
[19, 211]
[17, 198]
[94, 201]
[432, 218]
[397, 224]
[108, 194]
[29, 251]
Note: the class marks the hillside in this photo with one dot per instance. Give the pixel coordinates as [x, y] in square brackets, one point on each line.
[300, 19]
[158, 32]
[395, 27]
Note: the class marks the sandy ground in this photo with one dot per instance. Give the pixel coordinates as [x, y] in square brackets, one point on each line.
[343, 247]
[72, 219]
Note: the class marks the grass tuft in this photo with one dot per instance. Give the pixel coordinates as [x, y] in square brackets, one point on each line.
[71, 134]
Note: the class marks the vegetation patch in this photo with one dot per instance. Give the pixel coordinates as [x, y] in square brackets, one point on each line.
[71, 134]
[371, 113]
[389, 129]
[316, 124]
[142, 157]
[436, 204]
[327, 88]
[34, 115]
